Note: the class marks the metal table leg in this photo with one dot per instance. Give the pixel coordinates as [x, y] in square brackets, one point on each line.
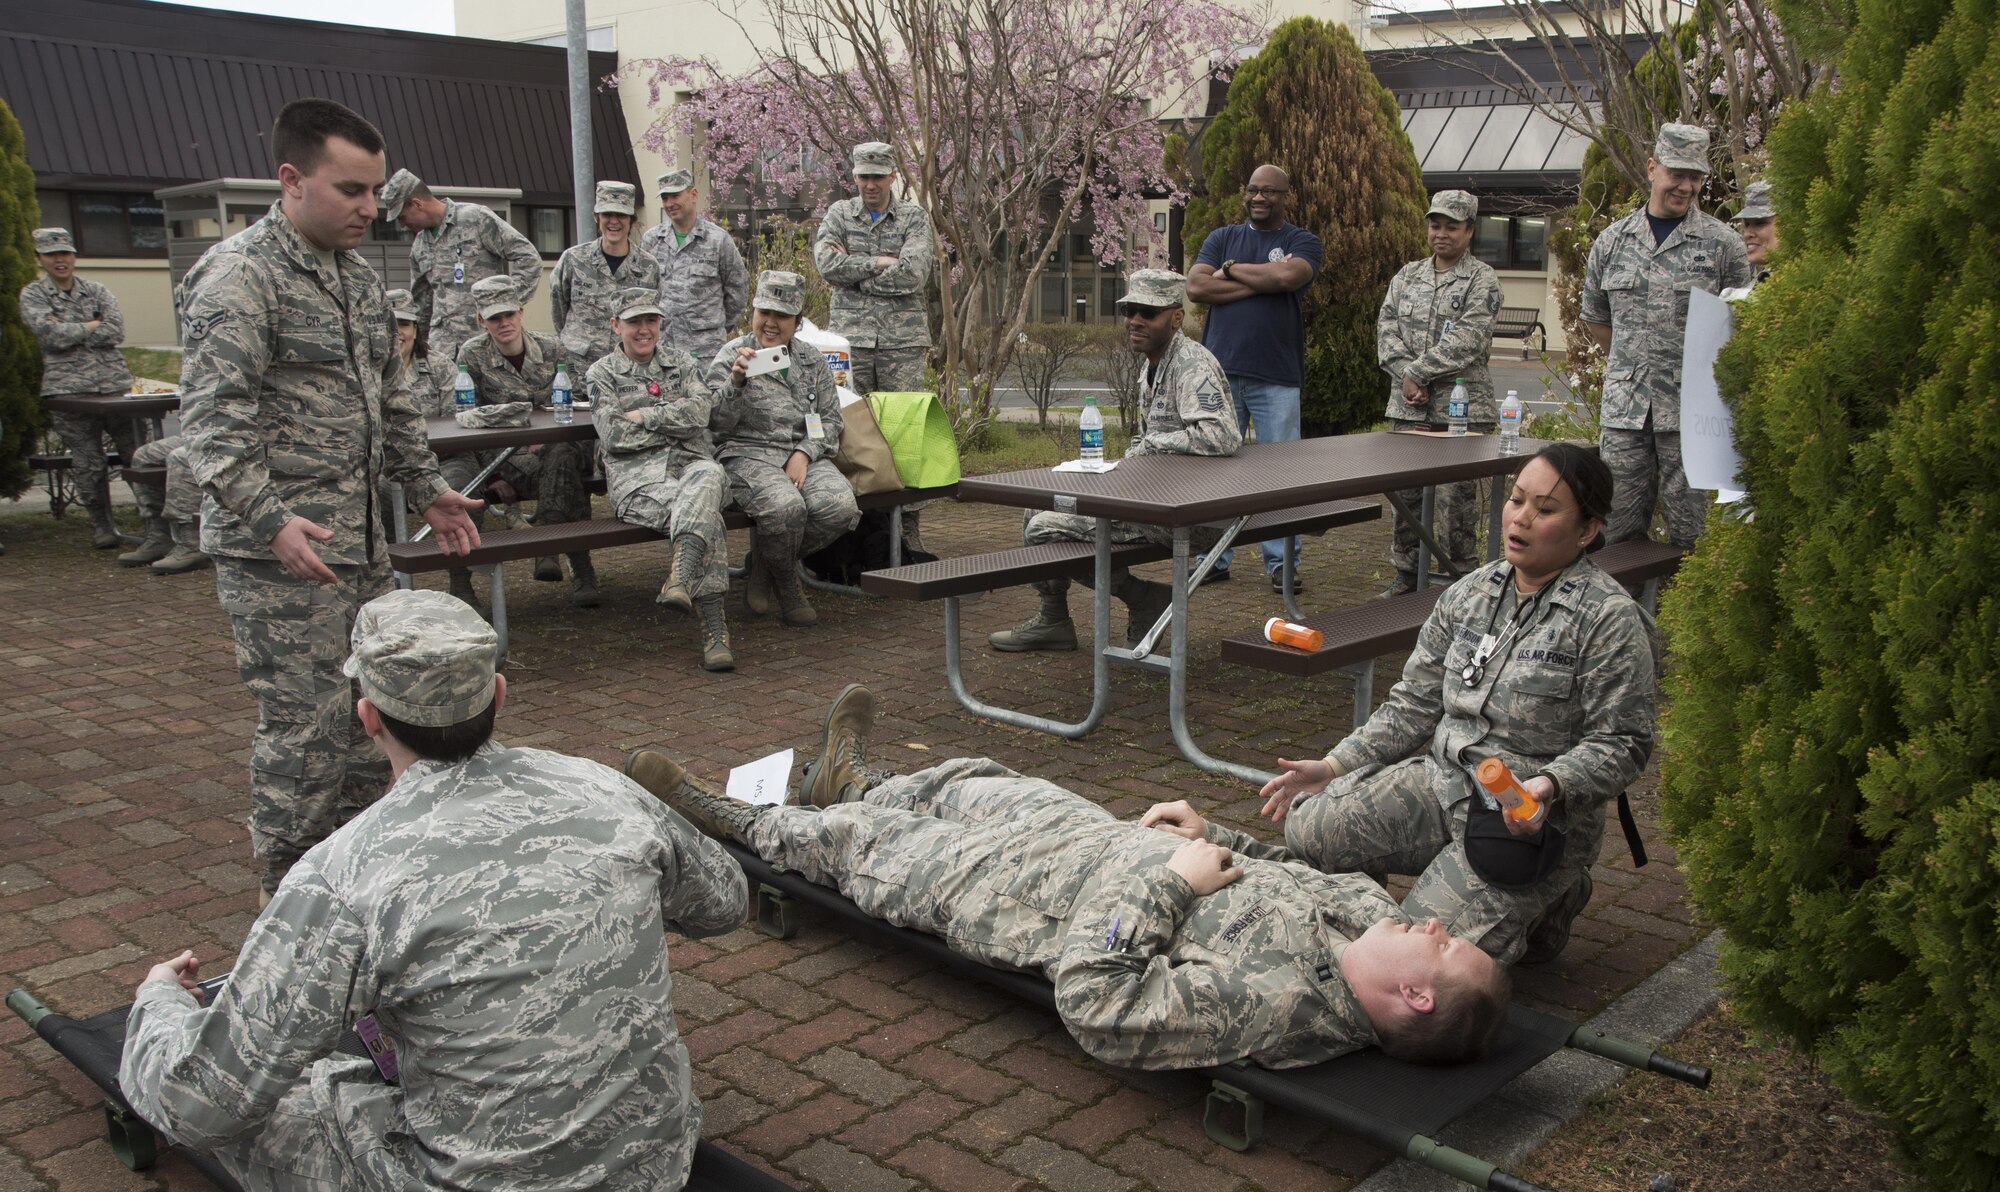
[1177, 677]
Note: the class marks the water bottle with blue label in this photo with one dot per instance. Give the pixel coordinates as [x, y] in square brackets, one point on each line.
[1090, 431]
[1457, 410]
[463, 392]
[560, 398]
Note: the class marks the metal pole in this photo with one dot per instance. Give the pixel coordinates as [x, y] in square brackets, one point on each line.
[581, 171]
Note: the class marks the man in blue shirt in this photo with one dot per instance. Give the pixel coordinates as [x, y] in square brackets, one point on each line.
[1252, 276]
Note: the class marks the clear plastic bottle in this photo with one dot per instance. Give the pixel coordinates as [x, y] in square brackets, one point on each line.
[1458, 409]
[1280, 632]
[1090, 431]
[462, 390]
[560, 398]
[1499, 782]
[1511, 413]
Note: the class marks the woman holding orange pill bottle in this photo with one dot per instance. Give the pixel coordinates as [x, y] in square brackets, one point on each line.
[1539, 661]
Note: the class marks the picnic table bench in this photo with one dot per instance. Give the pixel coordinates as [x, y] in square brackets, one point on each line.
[1520, 322]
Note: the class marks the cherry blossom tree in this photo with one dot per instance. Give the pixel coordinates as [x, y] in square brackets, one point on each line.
[1013, 123]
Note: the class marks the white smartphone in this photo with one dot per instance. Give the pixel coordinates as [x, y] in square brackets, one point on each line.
[769, 360]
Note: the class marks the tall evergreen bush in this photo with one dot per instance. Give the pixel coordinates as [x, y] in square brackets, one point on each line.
[20, 358]
[1309, 104]
[1833, 740]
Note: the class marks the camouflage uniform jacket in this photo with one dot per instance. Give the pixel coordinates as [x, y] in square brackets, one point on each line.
[505, 921]
[872, 306]
[703, 285]
[1570, 695]
[583, 296]
[677, 405]
[433, 381]
[1188, 407]
[766, 418]
[1641, 291]
[1438, 327]
[294, 401]
[494, 380]
[76, 361]
[469, 245]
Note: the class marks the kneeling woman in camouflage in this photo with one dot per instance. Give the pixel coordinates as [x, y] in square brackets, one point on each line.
[652, 412]
[1541, 660]
[776, 434]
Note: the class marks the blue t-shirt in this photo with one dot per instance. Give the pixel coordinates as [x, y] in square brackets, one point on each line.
[1261, 337]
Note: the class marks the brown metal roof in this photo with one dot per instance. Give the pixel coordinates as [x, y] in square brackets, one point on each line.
[133, 95]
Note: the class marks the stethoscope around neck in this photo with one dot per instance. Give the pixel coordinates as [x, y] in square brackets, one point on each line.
[1489, 645]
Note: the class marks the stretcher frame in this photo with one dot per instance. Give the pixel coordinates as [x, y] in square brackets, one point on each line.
[94, 1045]
[1393, 1106]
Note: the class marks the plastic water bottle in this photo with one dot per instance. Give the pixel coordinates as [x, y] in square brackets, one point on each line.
[462, 390]
[560, 399]
[1511, 412]
[1458, 409]
[1090, 430]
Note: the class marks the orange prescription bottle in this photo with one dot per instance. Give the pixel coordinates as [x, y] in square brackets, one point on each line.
[1279, 631]
[1499, 781]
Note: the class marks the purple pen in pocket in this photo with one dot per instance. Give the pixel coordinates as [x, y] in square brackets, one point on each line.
[379, 1047]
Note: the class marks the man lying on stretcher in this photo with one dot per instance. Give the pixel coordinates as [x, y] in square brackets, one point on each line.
[1172, 943]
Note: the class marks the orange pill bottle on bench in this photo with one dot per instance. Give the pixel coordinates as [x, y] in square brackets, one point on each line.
[1499, 782]
[1281, 632]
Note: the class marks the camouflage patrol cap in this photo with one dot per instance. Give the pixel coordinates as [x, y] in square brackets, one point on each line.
[402, 184]
[674, 182]
[1756, 203]
[1682, 147]
[53, 240]
[616, 198]
[638, 300]
[495, 296]
[424, 658]
[1460, 205]
[780, 292]
[403, 305]
[874, 157]
[1158, 289]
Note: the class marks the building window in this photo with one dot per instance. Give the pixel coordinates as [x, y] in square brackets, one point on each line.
[55, 208]
[550, 229]
[1512, 241]
[107, 223]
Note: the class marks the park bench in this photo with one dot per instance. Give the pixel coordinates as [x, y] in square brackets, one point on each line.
[55, 466]
[498, 547]
[1520, 322]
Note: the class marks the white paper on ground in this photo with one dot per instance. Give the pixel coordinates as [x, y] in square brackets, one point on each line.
[1708, 429]
[763, 781]
[1077, 465]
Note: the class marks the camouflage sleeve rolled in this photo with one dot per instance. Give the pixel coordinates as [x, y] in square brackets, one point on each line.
[735, 282]
[1615, 693]
[912, 270]
[705, 892]
[826, 399]
[831, 258]
[226, 349]
[1595, 307]
[506, 243]
[559, 283]
[209, 1074]
[111, 321]
[39, 313]
[1470, 339]
[1406, 720]
[1391, 352]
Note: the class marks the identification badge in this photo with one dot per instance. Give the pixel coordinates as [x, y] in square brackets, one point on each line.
[815, 427]
[458, 274]
[380, 1048]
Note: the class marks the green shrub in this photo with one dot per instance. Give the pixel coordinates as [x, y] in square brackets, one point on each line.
[1833, 744]
[1309, 104]
[20, 358]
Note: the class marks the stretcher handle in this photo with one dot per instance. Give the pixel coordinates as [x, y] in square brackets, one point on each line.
[1637, 1055]
[1666, 1065]
[27, 1006]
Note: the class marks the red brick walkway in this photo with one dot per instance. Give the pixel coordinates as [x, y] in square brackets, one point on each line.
[124, 738]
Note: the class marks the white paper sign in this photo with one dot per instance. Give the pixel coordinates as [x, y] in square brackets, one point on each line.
[1708, 429]
[763, 781]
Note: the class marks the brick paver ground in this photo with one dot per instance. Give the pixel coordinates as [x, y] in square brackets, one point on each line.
[124, 739]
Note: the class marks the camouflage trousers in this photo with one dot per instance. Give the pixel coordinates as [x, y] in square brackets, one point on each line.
[1050, 526]
[178, 500]
[1456, 524]
[84, 435]
[886, 370]
[1646, 466]
[1380, 821]
[988, 859]
[554, 478]
[676, 502]
[311, 766]
[792, 520]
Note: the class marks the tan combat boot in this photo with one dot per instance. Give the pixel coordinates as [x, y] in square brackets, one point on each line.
[840, 774]
[703, 806]
[793, 607]
[689, 554]
[756, 586]
[715, 655]
[158, 544]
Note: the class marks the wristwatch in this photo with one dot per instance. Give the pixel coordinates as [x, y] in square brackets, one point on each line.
[1227, 266]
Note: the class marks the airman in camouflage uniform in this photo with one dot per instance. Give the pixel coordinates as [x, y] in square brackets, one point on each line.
[776, 435]
[1757, 222]
[652, 412]
[703, 283]
[172, 512]
[566, 988]
[297, 412]
[1635, 302]
[432, 377]
[553, 474]
[457, 246]
[1188, 411]
[78, 325]
[1436, 327]
[583, 290]
[876, 251]
[1568, 695]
